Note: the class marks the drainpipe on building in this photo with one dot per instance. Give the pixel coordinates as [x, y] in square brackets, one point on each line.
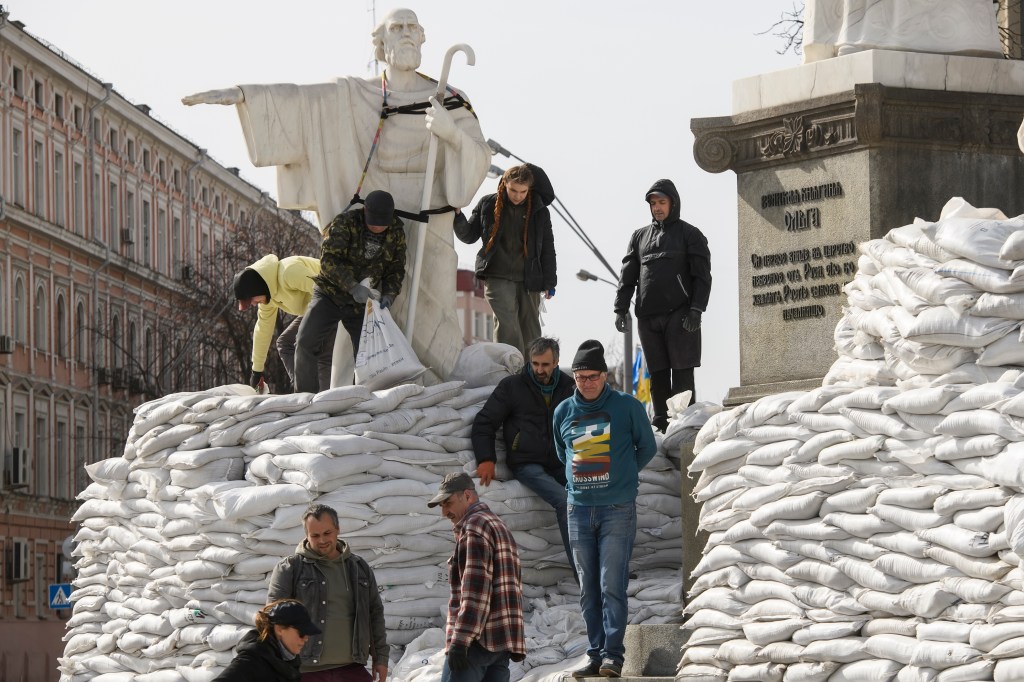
[90, 134]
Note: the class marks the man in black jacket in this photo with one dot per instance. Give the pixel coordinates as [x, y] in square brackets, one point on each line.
[517, 259]
[522, 406]
[669, 264]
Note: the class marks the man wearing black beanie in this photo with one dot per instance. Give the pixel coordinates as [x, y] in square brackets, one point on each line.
[604, 439]
[363, 242]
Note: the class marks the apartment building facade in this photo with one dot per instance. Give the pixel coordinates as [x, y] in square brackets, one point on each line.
[106, 214]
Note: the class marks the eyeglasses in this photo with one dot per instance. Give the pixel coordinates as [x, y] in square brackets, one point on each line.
[587, 378]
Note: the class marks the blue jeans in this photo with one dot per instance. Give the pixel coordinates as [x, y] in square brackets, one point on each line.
[602, 543]
[484, 666]
[549, 487]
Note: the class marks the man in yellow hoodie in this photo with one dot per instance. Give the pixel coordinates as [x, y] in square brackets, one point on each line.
[285, 284]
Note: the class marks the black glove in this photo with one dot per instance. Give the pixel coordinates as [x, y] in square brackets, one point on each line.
[458, 658]
[360, 293]
[623, 323]
[255, 378]
[691, 321]
[386, 301]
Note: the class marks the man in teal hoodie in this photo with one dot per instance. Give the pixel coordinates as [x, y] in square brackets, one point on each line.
[604, 439]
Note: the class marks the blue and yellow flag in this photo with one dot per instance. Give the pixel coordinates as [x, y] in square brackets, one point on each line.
[641, 378]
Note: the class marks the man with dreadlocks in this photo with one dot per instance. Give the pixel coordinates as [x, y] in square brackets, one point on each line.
[517, 259]
[333, 141]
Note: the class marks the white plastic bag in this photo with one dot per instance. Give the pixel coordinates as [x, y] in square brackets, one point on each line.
[385, 356]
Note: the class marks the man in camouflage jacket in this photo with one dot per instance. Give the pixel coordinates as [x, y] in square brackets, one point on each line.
[360, 243]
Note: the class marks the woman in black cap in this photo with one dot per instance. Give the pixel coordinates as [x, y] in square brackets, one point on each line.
[270, 653]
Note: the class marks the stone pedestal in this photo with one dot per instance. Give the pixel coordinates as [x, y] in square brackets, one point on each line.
[839, 152]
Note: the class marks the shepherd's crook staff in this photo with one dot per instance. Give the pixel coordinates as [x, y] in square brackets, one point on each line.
[428, 183]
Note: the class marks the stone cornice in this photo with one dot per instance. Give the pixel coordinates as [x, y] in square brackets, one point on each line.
[871, 116]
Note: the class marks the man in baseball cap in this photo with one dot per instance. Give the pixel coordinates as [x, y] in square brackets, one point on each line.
[484, 628]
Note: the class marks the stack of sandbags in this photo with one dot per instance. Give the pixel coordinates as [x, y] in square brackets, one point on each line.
[179, 536]
[872, 529]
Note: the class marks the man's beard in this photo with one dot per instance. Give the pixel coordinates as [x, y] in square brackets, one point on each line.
[404, 58]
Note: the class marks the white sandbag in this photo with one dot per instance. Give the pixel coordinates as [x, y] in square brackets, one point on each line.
[891, 647]
[762, 633]
[810, 672]
[241, 503]
[909, 519]
[841, 650]
[860, 448]
[698, 673]
[853, 501]
[986, 520]
[977, 239]
[942, 655]
[933, 287]
[994, 280]
[761, 672]
[979, 670]
[794, 508]
[1008, 306]
[486, 364]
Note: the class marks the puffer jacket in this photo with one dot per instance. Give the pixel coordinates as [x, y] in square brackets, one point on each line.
[540, 261]
[343, 261]
[668, 264]
[297, 577]
[517, 407]
[290, 281]
[257, 661]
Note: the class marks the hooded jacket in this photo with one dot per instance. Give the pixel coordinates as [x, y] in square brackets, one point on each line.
[539, 254]
[290, 281]
[517, 407]
[668, 264]
[299, 577]
[603, 443]
[257, 661]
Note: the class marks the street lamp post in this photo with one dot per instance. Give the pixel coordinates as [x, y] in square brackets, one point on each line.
[558, 207]
[627, 356]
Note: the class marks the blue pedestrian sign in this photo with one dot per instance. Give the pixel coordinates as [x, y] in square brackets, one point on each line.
[60, 596]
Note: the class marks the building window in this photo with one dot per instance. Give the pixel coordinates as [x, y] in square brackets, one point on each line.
[176, 259]
[38, 179]
[58, 106]
[161, 241]
[113, 223]
[58, 189]
[41, 456]
[17, 168]
[20, 308]
[488, 326]
[61, 340]
[115, 342]
[96, 206]
[40, 331]
[147, 353]
[129, 221]
[81, 476]
[161, 170]
[78, 198]
[113, 140]
[76, 114]
[133, 346]
[81, 331]
[37, 91]
[177, 180]
[131, 150]
[231, 211]
[18, 81]
[146, 229]
[145, 160]
[63, 468]
[216, 204]
[204, 196]
[97, 127]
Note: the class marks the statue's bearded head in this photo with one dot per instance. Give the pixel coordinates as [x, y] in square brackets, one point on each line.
[398, 38]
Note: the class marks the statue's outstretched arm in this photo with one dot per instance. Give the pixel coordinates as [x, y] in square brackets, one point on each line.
[232, 95]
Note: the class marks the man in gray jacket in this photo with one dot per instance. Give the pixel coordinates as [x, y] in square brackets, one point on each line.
[339, 590]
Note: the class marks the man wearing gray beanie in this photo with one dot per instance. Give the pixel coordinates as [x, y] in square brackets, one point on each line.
[603, 438]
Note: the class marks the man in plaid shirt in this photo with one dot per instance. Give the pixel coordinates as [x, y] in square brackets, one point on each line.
[485, 612]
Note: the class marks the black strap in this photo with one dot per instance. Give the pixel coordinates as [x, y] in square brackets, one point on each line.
[421, 217]
[455, 101]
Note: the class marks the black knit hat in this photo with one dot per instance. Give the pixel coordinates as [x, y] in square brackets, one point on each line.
[380, 208]
[590, 356]
[249, 283]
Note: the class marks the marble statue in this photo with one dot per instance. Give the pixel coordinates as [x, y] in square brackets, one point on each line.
[837, 27]
[320, 136]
